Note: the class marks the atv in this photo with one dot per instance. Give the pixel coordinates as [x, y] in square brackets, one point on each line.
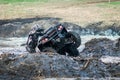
[57, 39]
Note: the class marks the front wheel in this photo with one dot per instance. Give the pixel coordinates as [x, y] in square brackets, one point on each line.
[30, 50]
[72, 51]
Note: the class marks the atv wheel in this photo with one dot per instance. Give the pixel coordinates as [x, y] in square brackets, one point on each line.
[30, 50]
[49, 49]
[72, 51]
[75, 38]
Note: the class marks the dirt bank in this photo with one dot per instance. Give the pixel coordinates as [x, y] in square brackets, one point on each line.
[91, 63]
[21, 27]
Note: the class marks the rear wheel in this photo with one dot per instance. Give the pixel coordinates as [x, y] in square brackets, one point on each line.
[62, 51]
[72, 51]
[75, 38]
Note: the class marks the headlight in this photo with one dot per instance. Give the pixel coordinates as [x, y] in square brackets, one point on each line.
[60, 28]
[44, 40]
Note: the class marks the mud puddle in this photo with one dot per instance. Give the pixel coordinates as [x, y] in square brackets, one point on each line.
[14, 44]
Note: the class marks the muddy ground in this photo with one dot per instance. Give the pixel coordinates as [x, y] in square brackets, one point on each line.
[21, 27]
[99, 59]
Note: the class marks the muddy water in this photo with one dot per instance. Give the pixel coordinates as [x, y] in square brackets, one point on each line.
[87, 38]
[12, 42]
[13, 45]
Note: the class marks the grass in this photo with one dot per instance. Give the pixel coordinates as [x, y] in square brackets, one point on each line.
[49, 1]
[76, 11]
[17, 1]
[42, 1]
[115, 3]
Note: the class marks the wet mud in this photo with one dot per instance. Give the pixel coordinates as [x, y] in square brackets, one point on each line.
[100, 57]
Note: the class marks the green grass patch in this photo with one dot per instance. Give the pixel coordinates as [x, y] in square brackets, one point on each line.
[17, 1]
[115, 3]
[42, 1]
[57, 1]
